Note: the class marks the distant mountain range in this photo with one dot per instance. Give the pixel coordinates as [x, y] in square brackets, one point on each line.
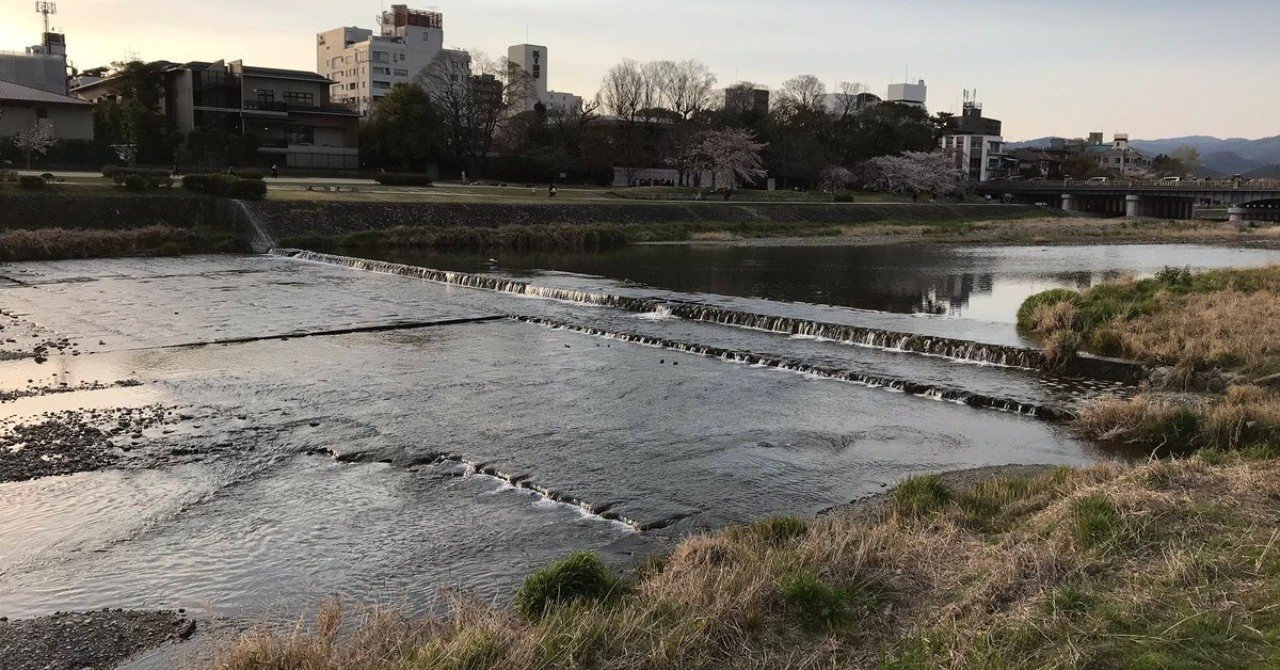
[1251, 158]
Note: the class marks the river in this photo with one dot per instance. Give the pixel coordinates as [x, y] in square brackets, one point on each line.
[332, 430]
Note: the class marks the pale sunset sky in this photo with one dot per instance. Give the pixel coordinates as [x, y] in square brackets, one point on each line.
[1151, 68]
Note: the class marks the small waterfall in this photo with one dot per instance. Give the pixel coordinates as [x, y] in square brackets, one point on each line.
[260, 240]
[940, 393]
[875, 338]
[605, 511]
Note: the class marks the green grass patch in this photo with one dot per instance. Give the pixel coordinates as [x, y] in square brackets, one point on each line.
[921, 497]
[821, 607]
[581, 576]
[1096, 523]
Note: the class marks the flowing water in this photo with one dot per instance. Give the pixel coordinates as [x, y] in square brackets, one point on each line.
[332, 426]
[978, 283]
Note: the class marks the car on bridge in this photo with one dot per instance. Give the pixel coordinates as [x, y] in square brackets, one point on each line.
[1098, 180]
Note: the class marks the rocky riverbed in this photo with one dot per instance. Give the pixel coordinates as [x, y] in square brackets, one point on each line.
[85, 640]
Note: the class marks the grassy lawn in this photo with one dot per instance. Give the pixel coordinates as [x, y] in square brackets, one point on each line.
[1169, 565]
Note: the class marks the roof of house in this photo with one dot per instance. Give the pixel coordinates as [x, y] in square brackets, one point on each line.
[17, 92]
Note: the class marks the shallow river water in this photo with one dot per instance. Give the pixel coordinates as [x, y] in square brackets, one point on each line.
[338, 431]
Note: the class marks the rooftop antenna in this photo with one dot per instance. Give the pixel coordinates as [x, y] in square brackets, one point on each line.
[46, 9]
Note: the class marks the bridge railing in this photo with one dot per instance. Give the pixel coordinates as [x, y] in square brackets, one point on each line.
[1112, 184]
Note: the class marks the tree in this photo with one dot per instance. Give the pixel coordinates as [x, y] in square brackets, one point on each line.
[34, 140]
[447, 80]
[846, 101]
[132, 114]
[404, 130]
[731, 155]
[803, 93]
[684, 87]
[1082, 166]
[624, 91]
[912, 172]
[835, 178]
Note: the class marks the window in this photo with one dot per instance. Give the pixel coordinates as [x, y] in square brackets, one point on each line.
[381, 86]
[266, 99]
[380, 57]
[302, 135]
[301, 99]
[401, 72]
[386, 71]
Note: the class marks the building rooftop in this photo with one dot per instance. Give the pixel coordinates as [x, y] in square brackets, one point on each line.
[17, 92]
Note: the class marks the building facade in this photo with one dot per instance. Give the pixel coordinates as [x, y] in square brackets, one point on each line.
[975, 143]
[33, 91]
[364, 67]
[914, 95]
[287, 112]
[533, 61]
[744, 98]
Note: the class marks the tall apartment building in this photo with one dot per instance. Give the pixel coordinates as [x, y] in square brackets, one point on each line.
[364, 66]
[533, 60]
[746, 97]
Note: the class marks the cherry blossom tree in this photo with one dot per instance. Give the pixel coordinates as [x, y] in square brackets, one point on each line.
[834, 178]
[34, 140]
[912, 172]
[731, 155]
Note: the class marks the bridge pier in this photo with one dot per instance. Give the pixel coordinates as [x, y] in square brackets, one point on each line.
[1133, 206]
[1068, 202]
[1236, 214]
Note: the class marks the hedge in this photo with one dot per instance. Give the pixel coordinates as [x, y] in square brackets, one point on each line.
[225, 186]
[32, 183]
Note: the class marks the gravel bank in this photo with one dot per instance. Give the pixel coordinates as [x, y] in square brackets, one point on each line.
[79, 641]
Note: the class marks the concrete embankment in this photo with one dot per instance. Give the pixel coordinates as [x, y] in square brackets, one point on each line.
[65, 208]
[301, 218]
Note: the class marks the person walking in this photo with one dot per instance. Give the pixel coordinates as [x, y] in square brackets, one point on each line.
[275, 171]
[551, 191]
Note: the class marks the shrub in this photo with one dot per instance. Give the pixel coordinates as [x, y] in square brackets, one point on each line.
[843, 197]
[249, 173]
[581, 576]
[1027, 312]
[225, 186]
[48, 176]
[8, 175]
[403, 179]
[1060, 349]
[136, 182]
[921, 497]
[32, 183]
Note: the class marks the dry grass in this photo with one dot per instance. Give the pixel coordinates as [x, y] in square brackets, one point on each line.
[1107, 567]
[1225, 319]
[63, 243]
[1245, 418]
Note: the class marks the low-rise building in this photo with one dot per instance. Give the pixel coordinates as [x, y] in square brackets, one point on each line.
[33, 91]
[287, 113]
[22, 107]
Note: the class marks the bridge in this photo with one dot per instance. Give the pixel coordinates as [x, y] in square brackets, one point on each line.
[1243, 200]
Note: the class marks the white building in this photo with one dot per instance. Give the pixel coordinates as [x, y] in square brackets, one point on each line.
[975, 143]
[365, 66]
[908, 94]
[534, 61]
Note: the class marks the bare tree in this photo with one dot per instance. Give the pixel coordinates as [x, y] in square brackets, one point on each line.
[803, 92]
[847, 100]
[34, 140]
[684, 87]
[624, 91]
[447, 80]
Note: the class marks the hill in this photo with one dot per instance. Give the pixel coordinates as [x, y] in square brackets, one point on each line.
[1219, 156]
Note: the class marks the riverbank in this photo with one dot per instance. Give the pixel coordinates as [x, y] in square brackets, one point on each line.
[75, 640]
[1111, 566]
[1038, 230]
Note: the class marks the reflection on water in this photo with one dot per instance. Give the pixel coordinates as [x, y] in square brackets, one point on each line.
[982, 283]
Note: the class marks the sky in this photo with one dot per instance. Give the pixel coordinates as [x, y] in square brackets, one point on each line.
[1151, 68]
